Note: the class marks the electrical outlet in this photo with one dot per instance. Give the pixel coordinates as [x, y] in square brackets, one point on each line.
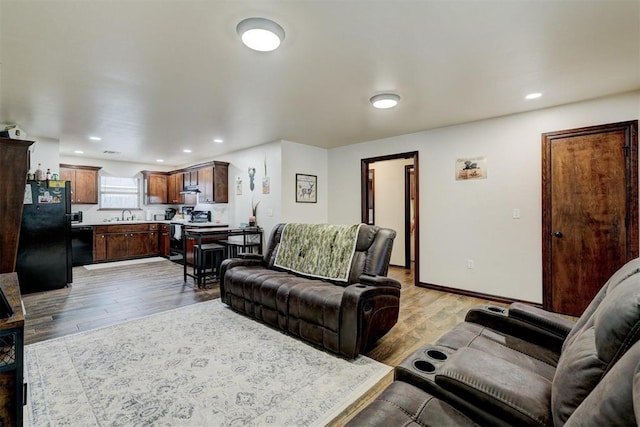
[470, 264]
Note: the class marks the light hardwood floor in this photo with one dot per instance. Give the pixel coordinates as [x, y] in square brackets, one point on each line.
[104, 297]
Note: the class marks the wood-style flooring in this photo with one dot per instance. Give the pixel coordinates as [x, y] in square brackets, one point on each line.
[107, 296]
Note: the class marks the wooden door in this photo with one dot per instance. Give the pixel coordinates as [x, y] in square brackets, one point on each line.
[138, 244]
[99, 246]
[205, 184]
[156, 189]
[221, 182]
[590, 211]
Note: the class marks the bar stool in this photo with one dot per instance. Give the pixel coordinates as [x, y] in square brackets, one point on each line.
[236, 247]
[207, 258]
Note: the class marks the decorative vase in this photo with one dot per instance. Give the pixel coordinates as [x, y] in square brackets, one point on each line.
[252, 221]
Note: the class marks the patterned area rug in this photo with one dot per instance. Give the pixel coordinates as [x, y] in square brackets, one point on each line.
[200, 365]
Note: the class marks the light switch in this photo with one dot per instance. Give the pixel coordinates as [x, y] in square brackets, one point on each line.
[516, 213]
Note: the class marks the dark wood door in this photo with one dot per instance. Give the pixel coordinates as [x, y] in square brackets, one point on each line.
[86, 186]
[590, 211]
[117, 245]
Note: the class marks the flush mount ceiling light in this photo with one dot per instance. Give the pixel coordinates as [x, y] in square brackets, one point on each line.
[533, 95]
[260, 34]
[95, 138]
[218, 141]
[385, 100]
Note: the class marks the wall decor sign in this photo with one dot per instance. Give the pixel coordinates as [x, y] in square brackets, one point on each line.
[238, 186]
[306, 188]
[266, 185]
[471, 168]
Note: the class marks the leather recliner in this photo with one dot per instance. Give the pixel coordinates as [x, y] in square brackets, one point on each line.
[525, 366]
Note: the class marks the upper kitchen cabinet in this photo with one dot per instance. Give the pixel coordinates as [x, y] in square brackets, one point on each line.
[84, 183]
[175, 184]
[156, 187]
[213, 183]
[221, 182]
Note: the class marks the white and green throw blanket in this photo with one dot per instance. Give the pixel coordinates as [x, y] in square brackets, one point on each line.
[318, 250]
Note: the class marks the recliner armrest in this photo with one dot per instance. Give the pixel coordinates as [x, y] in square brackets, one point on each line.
[369, 279]
[533, 326]
[543, 319]
[496, 386]
[249, 255]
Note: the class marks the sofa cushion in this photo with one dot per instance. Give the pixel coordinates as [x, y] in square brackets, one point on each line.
[402, 404]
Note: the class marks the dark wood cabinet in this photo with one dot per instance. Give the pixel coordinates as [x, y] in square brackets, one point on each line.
[175, 184]
[205, 179]
[118, 242]
[165, 240]
[14, 157]
[12, 353]
[213, 183]
[84, 183]
[156, 187]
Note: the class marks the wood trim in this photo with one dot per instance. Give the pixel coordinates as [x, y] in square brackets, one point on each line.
[364, 176]
[631, 131]
[475, 294]
[91, 168]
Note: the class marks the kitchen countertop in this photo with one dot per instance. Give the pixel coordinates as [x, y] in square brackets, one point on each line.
[187, 223]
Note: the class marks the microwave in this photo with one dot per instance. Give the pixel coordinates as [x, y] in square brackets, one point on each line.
[76, 216]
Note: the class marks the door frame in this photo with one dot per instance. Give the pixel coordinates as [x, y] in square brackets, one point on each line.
[631, 172]
[364, 194]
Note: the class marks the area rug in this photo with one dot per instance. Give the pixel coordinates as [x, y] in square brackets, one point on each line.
[200, 365]
[102, 265]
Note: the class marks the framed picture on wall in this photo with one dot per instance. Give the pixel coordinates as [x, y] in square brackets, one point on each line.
[306, 188]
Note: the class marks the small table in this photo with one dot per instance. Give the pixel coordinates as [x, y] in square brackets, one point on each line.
[251, 238]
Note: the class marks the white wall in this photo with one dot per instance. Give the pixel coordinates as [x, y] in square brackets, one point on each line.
[462, 220]
[44, 151]
[389, 202]
[269, 211]
[308, 160]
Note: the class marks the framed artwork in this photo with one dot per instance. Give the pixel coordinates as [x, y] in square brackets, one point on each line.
[471, 168]
[306, 188]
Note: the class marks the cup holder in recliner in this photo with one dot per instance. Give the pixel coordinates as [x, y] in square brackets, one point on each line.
[424, 366]
[495, 309]
[436, 354]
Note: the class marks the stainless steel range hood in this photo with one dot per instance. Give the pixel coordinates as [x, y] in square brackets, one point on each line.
[190, 189]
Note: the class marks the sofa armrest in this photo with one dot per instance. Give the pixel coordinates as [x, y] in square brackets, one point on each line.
[249, 255]
[534, 325]
[496, 386]
[230, 263]
[367, 312]
[370, 279]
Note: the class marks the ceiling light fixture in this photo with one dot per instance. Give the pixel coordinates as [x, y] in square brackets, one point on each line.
[159, 160]
[385, 100]
[186, 150]
[95, 138]
[78, 151]
[260, 34]
[533, 95]
[218, 141]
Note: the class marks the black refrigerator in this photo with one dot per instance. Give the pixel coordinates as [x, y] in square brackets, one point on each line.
[44, 250]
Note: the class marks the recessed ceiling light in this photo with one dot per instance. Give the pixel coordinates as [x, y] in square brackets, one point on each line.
[385, 100]
[78, 151]
[186, 150]
[260, 34]
[159, 160]
[95, 138]
[218, 141]
[533, 95]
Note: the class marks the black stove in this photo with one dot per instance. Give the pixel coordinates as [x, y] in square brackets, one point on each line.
[200, 216]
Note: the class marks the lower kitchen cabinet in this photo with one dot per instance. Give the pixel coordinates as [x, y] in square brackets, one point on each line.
[118, 242]
[165, 240]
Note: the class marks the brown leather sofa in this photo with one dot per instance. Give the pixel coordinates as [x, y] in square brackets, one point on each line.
[523, 366]
[346, 318]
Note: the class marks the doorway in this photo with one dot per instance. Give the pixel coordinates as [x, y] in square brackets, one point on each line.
[406, 212]
[589, 211]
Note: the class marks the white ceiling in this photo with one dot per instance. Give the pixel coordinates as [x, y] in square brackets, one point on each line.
[154, 77]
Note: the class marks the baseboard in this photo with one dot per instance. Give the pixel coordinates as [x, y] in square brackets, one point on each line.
[476, 294]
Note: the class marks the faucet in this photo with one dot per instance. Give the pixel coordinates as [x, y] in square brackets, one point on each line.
[123, 211]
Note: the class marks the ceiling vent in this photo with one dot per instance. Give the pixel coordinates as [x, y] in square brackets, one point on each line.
[111, 152]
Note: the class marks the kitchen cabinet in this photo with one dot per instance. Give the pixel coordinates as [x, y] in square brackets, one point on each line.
[156, 187]
[13, 175]
[165, 240]
[190, 177]
[84, 183]
[117, 242]
[213, 183]
[175, 184]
